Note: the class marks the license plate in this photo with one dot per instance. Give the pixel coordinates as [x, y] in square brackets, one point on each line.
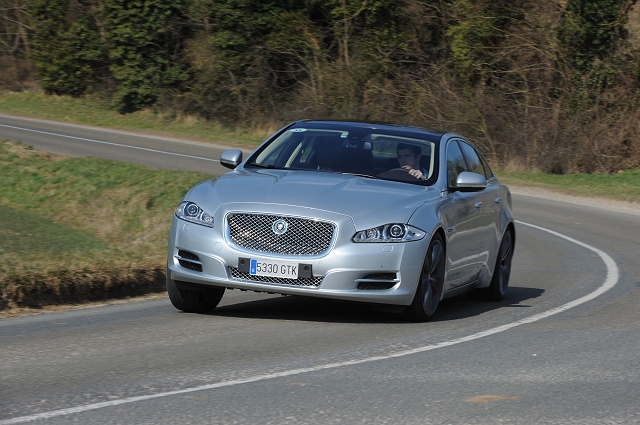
[273, 269]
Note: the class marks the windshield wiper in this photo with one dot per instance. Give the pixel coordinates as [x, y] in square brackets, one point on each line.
[368, 176]
[269, 167]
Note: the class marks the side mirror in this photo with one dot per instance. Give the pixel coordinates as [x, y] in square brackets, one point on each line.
[231, 158]
[470, 182]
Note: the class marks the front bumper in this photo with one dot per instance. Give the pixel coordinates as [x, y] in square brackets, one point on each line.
[340, 270]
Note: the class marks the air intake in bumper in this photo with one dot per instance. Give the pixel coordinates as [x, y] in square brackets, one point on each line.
[377, 281]
[189, 260]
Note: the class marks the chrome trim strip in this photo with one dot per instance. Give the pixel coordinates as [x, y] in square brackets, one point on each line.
[188, 260]
[378, 280]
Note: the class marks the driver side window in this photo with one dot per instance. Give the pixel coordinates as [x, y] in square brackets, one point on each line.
[455, 163]
[475, 165]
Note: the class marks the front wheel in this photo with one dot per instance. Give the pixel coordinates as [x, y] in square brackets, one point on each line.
[192, 301]
[431, 284]
[502, 270]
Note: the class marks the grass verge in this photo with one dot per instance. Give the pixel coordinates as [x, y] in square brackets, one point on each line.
[99, 113]
[622, 186]
[82, 229]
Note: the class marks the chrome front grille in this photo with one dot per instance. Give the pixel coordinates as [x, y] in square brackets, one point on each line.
[313, 282]
[301, 236]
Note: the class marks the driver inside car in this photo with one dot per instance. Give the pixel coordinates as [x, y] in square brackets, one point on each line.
[409, 159]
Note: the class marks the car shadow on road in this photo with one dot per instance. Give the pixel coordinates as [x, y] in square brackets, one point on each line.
[470, 305]
[310, 309]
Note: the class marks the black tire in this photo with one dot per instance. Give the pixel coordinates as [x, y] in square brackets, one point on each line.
[431, 284]
[502, 271]
[191, 301]
[174, 295]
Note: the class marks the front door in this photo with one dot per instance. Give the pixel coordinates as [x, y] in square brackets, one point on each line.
[489, 202]
[463, 224]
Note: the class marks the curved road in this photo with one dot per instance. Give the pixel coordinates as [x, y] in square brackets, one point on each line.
[562, 348]
[77, 140]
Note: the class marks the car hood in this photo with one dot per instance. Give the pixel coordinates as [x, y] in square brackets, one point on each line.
[369, 202]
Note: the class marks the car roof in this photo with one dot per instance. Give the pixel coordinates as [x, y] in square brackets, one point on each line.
[370, 125]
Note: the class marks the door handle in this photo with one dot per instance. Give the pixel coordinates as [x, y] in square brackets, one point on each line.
[498, 199]
[478, 204]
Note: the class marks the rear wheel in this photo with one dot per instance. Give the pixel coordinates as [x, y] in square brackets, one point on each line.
[194, 301]
[431, 284]
[502, 271]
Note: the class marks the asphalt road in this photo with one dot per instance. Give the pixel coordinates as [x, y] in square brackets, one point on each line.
[562, 348]
[76, 140]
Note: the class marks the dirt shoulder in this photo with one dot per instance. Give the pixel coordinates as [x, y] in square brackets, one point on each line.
[27, 311]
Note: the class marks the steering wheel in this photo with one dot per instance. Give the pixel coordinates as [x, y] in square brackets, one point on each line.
[401, 174]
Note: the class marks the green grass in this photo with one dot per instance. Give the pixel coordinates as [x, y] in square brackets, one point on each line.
[25, 233]
[82, 228]
[107, 198]
[623, 186]
[96, 112]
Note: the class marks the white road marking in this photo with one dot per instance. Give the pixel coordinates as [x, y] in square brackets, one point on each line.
[610, 282]
[107, 143]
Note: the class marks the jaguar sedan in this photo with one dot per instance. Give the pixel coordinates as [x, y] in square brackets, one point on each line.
[375, 213]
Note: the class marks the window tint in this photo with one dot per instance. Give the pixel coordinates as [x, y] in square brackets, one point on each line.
[455, 163]
[475, 165]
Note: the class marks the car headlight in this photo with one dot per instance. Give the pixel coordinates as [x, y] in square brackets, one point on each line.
[394, 232]
[190, 211]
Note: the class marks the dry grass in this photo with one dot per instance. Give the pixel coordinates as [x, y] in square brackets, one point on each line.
[79, 278]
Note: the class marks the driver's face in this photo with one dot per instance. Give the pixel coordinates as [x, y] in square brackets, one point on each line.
[406, 157]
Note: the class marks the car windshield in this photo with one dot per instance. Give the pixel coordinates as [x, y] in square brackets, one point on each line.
[374, 153]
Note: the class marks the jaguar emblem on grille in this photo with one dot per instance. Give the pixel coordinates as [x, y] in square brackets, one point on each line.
[279, 227]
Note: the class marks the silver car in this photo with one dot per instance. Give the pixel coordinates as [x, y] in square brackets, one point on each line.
[377, 213]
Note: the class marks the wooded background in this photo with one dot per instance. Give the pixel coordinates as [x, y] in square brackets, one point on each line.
[537, 84]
